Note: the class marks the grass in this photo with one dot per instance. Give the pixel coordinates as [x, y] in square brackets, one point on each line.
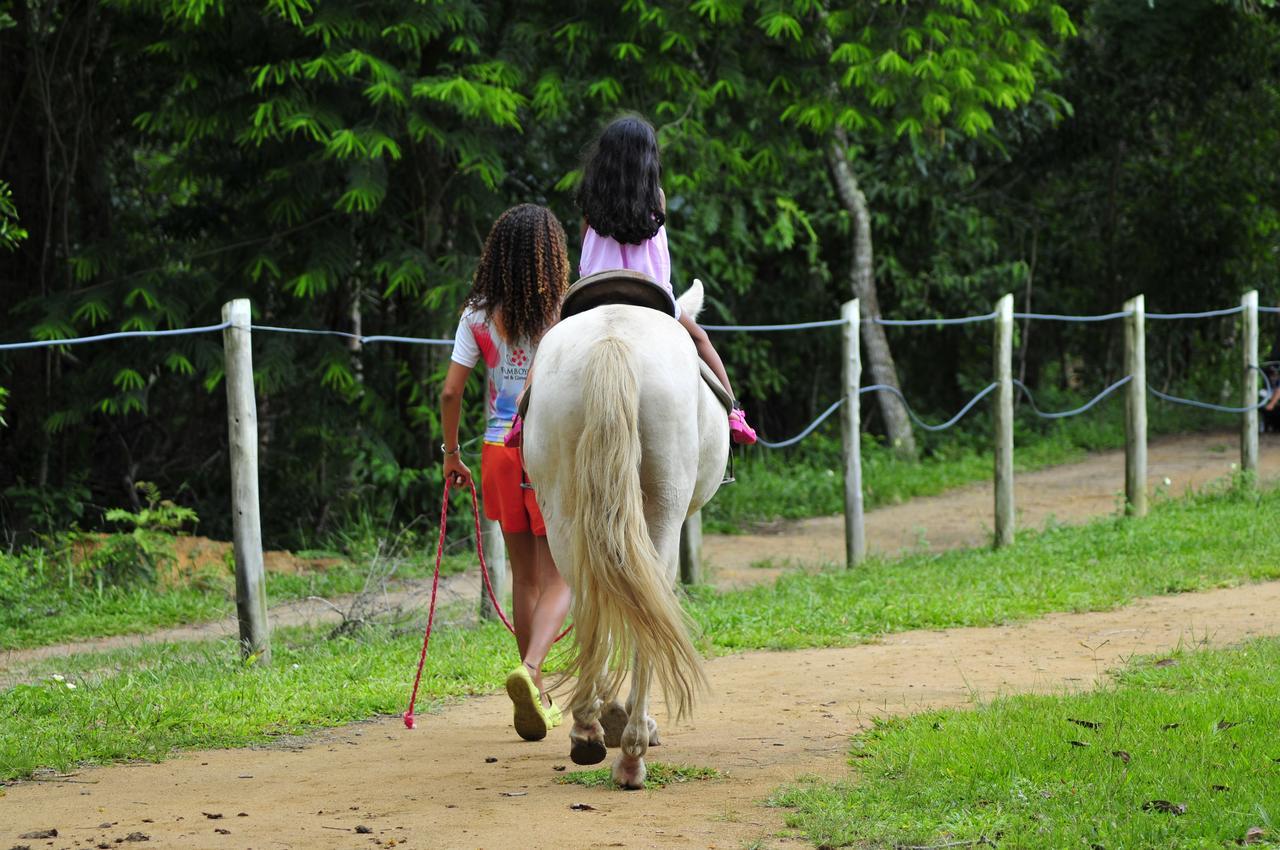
[42, 613]
[658, 775]
[1185, 755]
[1197, 543]
[161, 698]
[146, 702]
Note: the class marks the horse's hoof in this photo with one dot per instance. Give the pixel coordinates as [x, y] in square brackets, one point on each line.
[629, 773]
[587, 752]
[614, 719]
[654, 740]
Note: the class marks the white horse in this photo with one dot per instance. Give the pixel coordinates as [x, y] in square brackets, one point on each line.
[623, 441]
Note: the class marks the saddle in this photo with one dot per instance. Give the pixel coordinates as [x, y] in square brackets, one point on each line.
[623, 286]
[616, 286]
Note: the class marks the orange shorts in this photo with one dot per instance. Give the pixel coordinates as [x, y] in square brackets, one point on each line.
[514, 507]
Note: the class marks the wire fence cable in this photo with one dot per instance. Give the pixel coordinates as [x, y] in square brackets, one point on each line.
[1204, 405]
[916, 419]
[917, 323]
[796, 326]
[1075, 411]
[822, 417]
[77, 340]
[1062, 317]
[412, 340]
[1203, 314]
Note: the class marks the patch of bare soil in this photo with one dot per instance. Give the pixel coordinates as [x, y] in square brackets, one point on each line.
[197, 558]
[464, 780]
[1072, 493]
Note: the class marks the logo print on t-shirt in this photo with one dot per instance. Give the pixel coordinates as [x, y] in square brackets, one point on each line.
[518, 357]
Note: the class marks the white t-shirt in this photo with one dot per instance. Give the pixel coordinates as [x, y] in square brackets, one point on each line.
[506, 366]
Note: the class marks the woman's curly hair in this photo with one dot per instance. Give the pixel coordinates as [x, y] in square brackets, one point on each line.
[620, 194]
[523, 273]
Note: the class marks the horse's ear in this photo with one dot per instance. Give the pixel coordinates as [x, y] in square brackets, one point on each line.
[691, 300]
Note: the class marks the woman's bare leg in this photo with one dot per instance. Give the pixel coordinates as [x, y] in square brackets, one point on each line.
[540, 598]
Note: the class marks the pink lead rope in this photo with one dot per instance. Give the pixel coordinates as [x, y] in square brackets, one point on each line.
[409, 720]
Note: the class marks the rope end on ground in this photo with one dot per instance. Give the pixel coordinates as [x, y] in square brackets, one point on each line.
[409, 721]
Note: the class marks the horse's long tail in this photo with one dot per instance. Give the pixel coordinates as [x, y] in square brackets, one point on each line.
[624, 605]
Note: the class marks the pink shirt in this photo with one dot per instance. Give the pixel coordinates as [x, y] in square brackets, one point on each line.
[602, 253]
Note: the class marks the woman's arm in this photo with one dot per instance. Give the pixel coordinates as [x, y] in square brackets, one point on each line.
[455, 471]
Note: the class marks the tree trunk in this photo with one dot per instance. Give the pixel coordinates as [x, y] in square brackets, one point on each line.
[876, 354]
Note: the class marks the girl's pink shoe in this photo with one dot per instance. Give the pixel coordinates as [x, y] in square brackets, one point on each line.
[514, 438]
[739, 431]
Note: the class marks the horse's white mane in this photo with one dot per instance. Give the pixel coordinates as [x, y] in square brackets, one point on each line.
[691, 300]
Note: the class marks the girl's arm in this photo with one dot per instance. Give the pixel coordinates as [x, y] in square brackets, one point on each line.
[455, 471]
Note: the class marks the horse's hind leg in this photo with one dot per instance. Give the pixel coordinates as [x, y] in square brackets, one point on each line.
[614, 716]
[629, 771]
[586, 738]
[639, 702]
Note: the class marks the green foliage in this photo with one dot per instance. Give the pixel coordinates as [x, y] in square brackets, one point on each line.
[1196, 732]
[138, 554]
[341, 162]
[916, 73]
[47, 510]
[10, 233]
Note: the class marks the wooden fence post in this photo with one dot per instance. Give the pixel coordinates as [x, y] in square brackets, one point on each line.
[1249, 394]
[1003, 421]
[855, 538]
[1135, 408]
[495, 558]
[246, 524]
[691, 549]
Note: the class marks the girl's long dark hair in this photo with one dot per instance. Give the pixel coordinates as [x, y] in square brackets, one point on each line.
[620, 193]
[523, 273]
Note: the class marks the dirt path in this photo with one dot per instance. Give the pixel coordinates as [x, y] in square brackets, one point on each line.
[770, 718]
[1072, 493]
[962, 517]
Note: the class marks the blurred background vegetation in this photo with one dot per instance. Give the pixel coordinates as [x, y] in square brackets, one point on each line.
[340, 161]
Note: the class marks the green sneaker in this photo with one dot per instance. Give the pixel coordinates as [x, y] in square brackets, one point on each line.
[554, 717]
[530, 721]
